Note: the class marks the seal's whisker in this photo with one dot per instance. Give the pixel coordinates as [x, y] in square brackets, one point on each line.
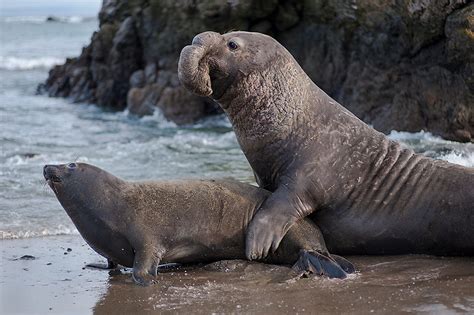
[54, 188]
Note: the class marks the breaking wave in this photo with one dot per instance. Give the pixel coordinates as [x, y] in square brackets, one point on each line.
[436, 147]
[60, 230]
[46, 19]
[15, 63]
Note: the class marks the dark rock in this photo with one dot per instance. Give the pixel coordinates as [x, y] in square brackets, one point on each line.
[52, 19]
[29, 155]
[262, 27]
[142, 101]
[286, 16]
[137, 79]
[396, 65]
[175, 103]
[150, 73]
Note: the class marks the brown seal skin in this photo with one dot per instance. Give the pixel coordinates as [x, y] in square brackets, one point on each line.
[369, 194]
[144, 224]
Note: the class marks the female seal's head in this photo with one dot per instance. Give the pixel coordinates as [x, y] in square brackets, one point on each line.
[82, 187]
[214, 63]
[73, 178]
[60, 176]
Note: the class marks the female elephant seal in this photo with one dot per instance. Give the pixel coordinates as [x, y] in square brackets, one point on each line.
[369, 194]
[143, 224]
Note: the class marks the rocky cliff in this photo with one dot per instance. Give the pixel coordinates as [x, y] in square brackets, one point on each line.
[403, 64]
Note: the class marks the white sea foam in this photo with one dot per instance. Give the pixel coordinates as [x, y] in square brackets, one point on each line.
[24, 19]
[437, 147]
[15, 63]
[59, 230]
[421, 135]
[45, 19]
[157, 118]
[201, 142]
[466, 159]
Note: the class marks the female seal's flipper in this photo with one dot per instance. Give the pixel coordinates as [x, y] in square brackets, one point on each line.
[345, 264]
[306, 241]
[316, 263]
[110, 265]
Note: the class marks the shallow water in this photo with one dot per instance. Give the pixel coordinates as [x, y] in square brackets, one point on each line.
[55, 282]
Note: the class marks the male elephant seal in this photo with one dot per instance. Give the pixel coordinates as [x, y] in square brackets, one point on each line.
[369, 194]
[143, 224]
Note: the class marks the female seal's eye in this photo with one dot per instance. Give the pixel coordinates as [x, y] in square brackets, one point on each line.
[232, 45]
[72, 165]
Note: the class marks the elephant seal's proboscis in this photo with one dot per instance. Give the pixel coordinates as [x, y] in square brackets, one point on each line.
[367, 193]
[144, 224]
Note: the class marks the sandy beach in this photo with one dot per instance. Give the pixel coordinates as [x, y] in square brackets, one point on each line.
[54, 281]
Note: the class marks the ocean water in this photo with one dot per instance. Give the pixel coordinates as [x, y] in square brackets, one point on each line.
[37, 130]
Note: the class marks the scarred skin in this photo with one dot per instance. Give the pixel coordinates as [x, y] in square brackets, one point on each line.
[367, 193]
[144, 224]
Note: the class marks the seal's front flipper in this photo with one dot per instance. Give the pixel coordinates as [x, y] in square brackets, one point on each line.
[319, 264]
[270, 223]
[110, 265]
[345, 264]
[145, 264]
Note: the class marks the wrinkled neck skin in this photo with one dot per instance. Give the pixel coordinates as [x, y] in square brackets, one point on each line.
[272, 96]
[271, 110]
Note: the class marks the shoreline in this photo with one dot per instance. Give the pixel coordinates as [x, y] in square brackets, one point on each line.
[54, 282]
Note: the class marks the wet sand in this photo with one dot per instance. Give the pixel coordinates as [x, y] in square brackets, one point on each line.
[55, 282]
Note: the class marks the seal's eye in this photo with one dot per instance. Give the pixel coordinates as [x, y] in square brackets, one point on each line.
[71, 165]
[232, 45]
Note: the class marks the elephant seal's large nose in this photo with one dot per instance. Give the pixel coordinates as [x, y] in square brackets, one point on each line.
[203, 38]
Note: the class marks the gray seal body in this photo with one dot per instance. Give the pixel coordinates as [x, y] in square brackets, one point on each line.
[144, 224]
[367, 193]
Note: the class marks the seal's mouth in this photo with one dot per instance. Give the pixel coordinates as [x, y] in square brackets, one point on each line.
[50, 173]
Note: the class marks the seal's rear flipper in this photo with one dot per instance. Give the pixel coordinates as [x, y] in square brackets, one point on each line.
[110, 265]
[316, 263]
[169, 266]
[345, 264]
